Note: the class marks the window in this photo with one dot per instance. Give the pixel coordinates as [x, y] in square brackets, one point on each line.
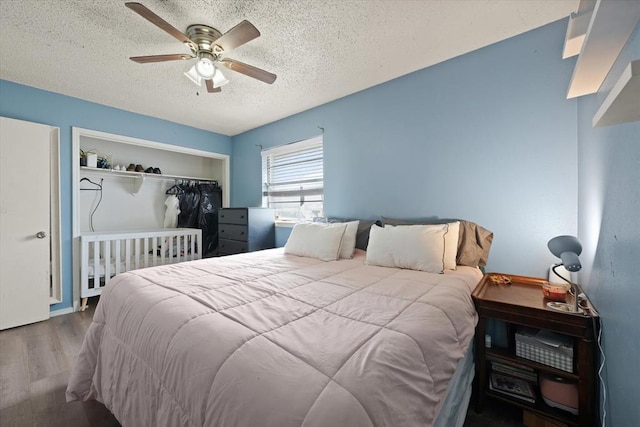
[292, 177]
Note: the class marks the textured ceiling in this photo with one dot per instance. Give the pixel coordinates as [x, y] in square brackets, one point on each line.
[321, 50]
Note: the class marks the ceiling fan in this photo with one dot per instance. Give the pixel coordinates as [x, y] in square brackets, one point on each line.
[208, 45]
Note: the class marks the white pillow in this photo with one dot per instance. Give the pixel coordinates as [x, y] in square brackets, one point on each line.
[416, 247]
[451, 245]
[316, 240]
[348, 245]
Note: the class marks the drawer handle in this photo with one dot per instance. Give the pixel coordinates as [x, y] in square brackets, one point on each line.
[242, 233]
[241, 216]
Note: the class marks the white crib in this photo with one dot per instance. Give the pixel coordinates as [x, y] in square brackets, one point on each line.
[132, 250]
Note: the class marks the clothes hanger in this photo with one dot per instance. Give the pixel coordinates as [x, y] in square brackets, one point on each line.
[174, 190]
[91, 182]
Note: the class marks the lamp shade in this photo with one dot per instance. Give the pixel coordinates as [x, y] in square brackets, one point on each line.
[219, 79]
[204, 66]
[193, 75]
[567, 248]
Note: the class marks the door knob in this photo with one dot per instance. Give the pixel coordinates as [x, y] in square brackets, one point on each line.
[41, 234]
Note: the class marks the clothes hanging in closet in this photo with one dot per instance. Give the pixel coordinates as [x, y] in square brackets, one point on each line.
[172, 211]
[199, 206]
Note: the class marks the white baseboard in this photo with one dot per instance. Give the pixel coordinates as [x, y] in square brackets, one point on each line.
[62, 311]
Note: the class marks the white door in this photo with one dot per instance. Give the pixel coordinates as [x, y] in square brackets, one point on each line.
[24, 222]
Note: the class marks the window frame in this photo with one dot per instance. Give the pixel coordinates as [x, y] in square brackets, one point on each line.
[292, 148]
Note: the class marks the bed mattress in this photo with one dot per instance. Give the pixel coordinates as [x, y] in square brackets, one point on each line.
[272, 339]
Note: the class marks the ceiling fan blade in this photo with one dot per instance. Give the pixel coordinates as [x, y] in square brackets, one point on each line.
[237, 36]
[160, 58]
[161, 23]
[210, 87]
[249, 70]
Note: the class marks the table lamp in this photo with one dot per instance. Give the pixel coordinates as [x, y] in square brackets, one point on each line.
[567, 248]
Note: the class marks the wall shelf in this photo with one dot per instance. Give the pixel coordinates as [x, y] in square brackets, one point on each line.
[611, 25]
[577, 28]
[622, 105]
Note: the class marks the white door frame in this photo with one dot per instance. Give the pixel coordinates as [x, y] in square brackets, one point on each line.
[78, 133]
[56, 220]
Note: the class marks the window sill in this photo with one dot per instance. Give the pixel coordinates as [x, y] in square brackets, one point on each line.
[285, 224]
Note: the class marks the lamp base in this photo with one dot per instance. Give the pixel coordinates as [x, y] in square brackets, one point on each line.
[564, 307]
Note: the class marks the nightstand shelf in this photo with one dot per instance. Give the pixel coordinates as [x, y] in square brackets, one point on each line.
[508, 356]
[539, 408]
[521, 304]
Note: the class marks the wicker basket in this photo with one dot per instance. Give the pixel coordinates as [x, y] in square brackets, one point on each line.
[528, 347]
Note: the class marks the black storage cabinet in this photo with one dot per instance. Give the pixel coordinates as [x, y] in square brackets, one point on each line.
[242, 230]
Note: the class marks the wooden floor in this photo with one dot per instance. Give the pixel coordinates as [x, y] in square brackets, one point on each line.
[35, 361]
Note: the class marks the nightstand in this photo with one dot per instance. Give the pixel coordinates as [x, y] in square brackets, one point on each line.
[521, 304]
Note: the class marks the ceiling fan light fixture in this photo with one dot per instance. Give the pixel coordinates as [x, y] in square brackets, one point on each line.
[219, 79]
[204, 66]
[193, 75]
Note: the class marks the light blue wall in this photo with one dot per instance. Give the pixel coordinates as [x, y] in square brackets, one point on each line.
[34, 105]
[487, 136]
[609, 227]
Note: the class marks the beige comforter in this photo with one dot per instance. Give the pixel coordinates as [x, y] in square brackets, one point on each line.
[268, 339]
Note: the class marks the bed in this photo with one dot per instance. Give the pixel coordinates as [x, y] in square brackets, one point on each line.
[275, 339]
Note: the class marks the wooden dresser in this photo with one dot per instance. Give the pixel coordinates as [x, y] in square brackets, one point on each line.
[242, 230]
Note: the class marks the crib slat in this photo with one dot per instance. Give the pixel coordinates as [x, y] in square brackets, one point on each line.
[136, 253]
[170, 249]
[107, 262]
[199, 240]
[127, 254]
[154, 246]
[84, 267]
[96, 265]
[179, 248]
[145, 253]
[116, 258]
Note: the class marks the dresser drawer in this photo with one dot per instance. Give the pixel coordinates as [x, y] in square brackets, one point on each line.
[230, 247]
[233, 232]
[232, 216]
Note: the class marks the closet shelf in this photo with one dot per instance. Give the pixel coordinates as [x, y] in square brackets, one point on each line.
[140, 177]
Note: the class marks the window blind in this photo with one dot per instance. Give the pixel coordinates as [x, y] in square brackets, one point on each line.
[292, 177]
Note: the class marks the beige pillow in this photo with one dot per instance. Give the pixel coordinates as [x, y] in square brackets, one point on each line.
[451, 245]
[415, 247]
[316, 240]
[474, 241]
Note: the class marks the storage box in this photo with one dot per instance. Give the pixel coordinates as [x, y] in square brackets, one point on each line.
[92, 160]
[559, 392]
[557, 353]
